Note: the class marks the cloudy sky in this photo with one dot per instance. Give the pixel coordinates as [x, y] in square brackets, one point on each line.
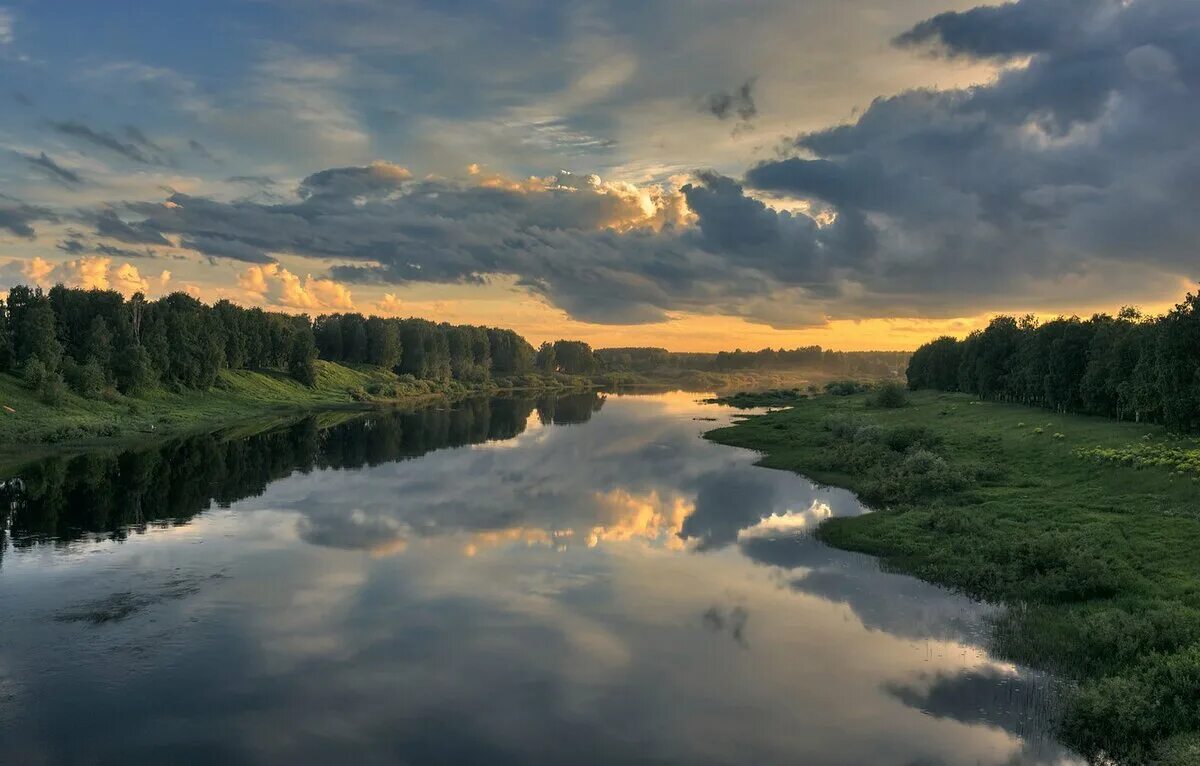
[697, 174]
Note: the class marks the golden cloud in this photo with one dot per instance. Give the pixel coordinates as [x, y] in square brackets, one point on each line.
[276, 285]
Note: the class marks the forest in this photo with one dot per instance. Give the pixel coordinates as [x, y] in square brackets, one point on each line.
[95, 341]
[849, 363]
[1127, 367]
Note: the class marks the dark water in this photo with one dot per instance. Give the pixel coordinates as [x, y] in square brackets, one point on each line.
[580, 580]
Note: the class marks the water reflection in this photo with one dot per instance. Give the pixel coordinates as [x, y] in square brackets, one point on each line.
[102, 493]
[478, 584]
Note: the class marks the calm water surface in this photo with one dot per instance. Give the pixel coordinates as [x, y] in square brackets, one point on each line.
[580, 580]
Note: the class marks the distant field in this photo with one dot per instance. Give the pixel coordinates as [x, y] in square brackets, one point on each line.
[1089, 528]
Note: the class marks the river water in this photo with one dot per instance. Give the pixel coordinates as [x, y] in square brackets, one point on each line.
[571, 580]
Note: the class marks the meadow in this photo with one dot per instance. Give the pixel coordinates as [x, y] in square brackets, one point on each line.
[1087, 528]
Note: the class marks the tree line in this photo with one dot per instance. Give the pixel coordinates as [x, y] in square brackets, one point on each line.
[96, 340]
[1128, 366]
[650, 359]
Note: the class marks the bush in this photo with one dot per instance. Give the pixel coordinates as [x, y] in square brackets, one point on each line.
[889, 396]
[845, 387]
[35, 374]
[89, 380]
[383, 390]
[1123, 717]
[840, 427]
[903, 438]
[47, 384]
[53, 390]
[868, 434]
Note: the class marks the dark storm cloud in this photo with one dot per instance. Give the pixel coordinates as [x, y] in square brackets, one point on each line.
[134, 134]
[218, 247]
[132, 151]
[551, 240]
[1007, 30]
[53, 169]
[123, 252]
[738, 102]
[379, 179]
[251, 180]
[1080, 161]
[109, 224]
[200, 150]
[72, 246]
[18, 218]
[1074, 165]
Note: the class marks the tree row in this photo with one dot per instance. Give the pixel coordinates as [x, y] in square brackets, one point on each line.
[96, 340]
[1125, 366]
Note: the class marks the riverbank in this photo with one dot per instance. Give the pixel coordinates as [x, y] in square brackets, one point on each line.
[1089, 529]
[30, 427]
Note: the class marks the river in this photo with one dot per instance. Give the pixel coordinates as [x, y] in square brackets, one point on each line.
[568, 580]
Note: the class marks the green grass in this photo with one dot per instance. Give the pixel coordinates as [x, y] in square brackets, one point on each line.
[1099, 557]
[29, 428]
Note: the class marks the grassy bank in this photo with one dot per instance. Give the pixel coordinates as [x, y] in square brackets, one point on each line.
[1088, 528]
[29, 427]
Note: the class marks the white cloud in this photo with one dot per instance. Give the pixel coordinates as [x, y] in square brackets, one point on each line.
[7, 22]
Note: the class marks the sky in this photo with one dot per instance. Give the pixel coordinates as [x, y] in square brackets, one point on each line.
[694, 174]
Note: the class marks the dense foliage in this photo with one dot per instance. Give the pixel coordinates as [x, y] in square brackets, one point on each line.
[1124, 367]
[423, 349]
[96, 340]
[870, 364]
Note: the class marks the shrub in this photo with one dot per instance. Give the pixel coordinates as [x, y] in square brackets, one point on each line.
[868, 434]
[1122, 717]
[383, 390]
[53, 389]
[845, 387]
[889, 396]
[46, 383]
[35, 374]
[903, 438]
[89, 379]
[840, 427]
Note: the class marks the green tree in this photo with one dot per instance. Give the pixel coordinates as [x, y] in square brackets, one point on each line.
[90, 379]
[134, 370]
[547, 361]
[36, 338]
[383, 342]
[574, 357]
[100, 345]
[303, 356]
